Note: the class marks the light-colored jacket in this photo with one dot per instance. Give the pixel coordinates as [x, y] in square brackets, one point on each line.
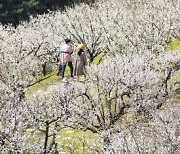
[80, 63]
[65, 53]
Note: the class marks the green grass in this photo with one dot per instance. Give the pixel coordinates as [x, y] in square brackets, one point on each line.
[174, 45]
[174, 79]
[49, 79]
[43, 85]
[70, 139]
[98, 60]
[75, 139]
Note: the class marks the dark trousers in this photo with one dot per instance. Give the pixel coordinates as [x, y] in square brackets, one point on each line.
[63, 68]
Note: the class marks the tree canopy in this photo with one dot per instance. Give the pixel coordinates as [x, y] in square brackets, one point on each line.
[14, 11]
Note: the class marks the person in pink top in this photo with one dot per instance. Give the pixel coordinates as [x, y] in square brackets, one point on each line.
[65, 57]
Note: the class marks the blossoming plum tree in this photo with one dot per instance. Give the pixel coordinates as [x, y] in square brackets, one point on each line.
[128, 85]
[125, 98]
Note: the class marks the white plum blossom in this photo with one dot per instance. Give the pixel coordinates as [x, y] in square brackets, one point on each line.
[126, 100]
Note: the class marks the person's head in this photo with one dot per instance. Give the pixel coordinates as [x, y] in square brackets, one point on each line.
[67, 41]
[81, 47]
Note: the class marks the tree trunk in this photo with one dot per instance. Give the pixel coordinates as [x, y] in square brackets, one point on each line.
[44, 69]
[46, 138]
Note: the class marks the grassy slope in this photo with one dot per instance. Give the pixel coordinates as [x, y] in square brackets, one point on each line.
[76, 138]
[43, 85]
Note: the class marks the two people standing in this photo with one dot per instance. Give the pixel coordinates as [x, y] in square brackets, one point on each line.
[66, 59]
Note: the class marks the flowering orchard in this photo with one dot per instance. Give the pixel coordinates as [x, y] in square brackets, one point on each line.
[128, 100]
